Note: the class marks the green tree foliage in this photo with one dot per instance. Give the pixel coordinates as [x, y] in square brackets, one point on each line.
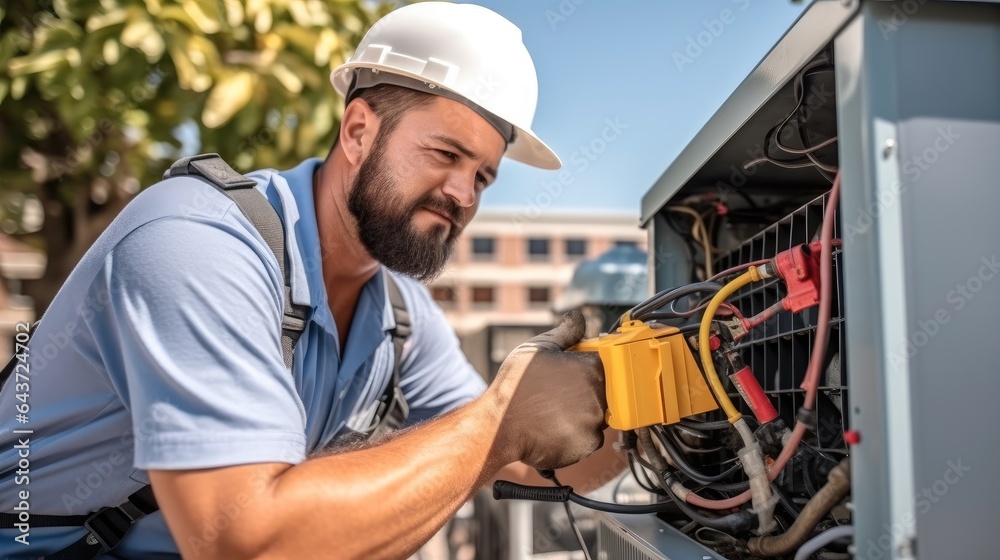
[97, 97]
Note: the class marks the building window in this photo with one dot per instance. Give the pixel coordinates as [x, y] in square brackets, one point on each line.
[444, 295]
[576, 248]
[483, 248]
[538, 297]
[482, 296]
[626, 243]
[538, 249]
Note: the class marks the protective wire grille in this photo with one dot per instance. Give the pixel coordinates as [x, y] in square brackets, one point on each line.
[612, 544]
[778, 351]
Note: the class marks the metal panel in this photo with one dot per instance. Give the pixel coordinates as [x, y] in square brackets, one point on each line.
[869, 459]
[668, 256]
[814, 30]
[645, 537]
[919, 85]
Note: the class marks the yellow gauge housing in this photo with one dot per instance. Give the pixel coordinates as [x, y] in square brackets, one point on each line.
[651, 376]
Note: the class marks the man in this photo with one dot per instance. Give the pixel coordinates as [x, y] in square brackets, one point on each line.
[160, 361]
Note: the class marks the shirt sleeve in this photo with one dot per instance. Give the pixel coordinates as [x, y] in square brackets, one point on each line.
[191, 329]
[436, 375]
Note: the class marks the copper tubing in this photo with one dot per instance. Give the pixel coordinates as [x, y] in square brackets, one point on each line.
[837, 486]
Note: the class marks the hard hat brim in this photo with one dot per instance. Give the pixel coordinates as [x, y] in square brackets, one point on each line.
[526, 148]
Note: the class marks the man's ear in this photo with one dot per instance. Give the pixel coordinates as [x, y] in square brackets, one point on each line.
[358, 129]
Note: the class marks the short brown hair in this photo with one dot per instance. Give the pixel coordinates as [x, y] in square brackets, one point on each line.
[390, 102]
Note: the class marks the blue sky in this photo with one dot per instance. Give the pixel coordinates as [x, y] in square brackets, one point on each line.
[646, 74]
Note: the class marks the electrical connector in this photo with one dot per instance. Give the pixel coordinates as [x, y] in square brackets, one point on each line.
[731, 329]
[651, 376]
[798, 267]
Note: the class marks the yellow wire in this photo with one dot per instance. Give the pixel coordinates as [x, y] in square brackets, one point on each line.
[700, 234]
[705, 350]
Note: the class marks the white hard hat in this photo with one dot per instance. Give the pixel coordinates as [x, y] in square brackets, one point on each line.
[472, 53]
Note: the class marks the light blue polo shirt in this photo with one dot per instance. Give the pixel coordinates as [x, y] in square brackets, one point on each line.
[162, 351]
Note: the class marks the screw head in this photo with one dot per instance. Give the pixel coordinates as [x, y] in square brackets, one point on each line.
[890, 147]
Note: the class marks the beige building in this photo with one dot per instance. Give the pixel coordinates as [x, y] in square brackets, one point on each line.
[508, 269]
[17, 262]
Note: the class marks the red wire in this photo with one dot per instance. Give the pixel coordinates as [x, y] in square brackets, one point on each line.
[732, 309]
[811, 381]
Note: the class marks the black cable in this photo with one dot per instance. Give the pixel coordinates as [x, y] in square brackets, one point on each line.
[695, 450]
[665, 297]
[817, 454]
[799, 90]
[617, 508]
[680, 430]
[506, 490]
[644, 462]
[572, 521]
[739, 522]
[664, 316]
[687, 313]
[648, 486]
[823, 169]
[809, 160]
[785, 501]
[708, 426]
[641, 312]
[692, 328]
[682, 464]
[807, 479]
[799, 87]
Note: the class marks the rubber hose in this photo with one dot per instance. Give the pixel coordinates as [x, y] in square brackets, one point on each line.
[837, 486]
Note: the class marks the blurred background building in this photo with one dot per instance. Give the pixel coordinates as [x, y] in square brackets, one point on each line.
[18, 262]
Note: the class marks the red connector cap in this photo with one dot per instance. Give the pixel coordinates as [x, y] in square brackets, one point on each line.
[799, 268]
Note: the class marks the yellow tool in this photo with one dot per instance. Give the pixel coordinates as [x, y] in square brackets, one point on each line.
[651, 376]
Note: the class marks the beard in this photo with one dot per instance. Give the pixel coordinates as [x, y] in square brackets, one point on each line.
[385, 221]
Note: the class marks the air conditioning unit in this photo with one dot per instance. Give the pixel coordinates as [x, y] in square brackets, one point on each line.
[900, 102]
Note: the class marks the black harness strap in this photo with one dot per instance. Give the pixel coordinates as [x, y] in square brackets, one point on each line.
[105, 528]
[265, 219]
[392, 409]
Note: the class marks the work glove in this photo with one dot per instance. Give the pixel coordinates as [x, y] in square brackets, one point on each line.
[553, 401]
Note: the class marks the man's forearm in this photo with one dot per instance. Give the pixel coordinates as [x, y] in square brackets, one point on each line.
[406, 488]
[379, 502]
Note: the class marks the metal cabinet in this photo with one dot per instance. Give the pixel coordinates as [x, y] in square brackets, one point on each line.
[916, 108]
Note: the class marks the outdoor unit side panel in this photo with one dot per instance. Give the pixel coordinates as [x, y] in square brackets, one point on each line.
[949, 139]
[920, 129]
[869, 459]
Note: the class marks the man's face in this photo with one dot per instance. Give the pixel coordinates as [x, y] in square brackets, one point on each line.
[420, 185]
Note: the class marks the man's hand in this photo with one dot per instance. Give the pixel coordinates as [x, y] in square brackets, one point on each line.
[553, 401]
